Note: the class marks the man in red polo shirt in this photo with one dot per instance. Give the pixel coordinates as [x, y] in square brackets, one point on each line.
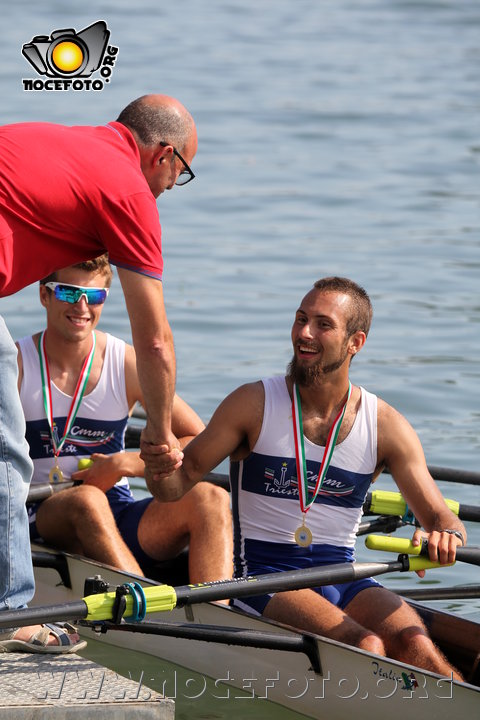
[69, 194]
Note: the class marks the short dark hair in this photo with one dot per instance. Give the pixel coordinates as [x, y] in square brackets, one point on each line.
[154, 124]
[361, 306]
[99, 264]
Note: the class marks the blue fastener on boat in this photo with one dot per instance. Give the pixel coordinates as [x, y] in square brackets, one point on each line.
[139, 602]
[408, 516]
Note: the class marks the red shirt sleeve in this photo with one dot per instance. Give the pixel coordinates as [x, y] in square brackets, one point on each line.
[130, 229]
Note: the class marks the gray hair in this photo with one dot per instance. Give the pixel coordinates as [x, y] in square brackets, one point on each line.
[156, 123]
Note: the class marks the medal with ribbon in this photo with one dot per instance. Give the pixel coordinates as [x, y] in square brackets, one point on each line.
[303, 535]
[55, 475]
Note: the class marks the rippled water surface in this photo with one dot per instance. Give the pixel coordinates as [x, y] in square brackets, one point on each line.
[335, 138]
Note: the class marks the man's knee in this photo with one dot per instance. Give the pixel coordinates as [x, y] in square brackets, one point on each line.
[414, 639]
[372, 643]
[210, 500]
[87, 499]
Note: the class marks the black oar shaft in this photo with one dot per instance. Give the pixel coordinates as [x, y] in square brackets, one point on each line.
[41, 614]
[469, 512]
[163, 597]
[456, 476]
[458, 592]
[468, 555]
[289, 580]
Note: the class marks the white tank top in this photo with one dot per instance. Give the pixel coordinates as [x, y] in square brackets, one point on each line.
[99, 426]
[265, 497]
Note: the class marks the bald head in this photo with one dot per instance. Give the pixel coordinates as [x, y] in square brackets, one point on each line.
[159, 118]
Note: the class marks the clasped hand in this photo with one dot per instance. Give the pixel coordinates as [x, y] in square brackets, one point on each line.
[160, 460]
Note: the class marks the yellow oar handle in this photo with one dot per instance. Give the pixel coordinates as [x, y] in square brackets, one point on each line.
[159, 598]
[386, 502]
[403, 546]
[423, 563]
[392, 544]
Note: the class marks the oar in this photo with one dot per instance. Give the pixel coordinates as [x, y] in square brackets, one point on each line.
[42, 491]
[467, 477]
[161, 598]
[383, 523]
[386, 502]
[404, 545]
[458, 592]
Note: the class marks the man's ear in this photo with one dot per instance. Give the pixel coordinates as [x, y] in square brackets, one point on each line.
[356, 342]
[162, 153]
[44, 293]
[152, 156]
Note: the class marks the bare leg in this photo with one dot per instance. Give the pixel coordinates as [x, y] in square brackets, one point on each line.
[80, 520]
[307, 610]
[401, 629]
[202, 520]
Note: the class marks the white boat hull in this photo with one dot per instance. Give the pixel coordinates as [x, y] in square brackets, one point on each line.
[348, 682]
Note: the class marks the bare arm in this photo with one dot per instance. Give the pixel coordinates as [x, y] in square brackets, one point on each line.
[153, 342]
[108, 469]
[232, 431]
[400, 448]
[186, 424]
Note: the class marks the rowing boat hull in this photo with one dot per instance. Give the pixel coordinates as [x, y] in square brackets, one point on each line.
[346, 679]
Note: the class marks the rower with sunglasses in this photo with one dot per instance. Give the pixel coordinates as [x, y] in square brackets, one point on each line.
[78, 386]
[69, 194]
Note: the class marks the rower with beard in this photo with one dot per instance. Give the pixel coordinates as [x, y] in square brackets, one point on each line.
[304, 450]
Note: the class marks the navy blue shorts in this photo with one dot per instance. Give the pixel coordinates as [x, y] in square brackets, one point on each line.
[127, 513]
[265, 558]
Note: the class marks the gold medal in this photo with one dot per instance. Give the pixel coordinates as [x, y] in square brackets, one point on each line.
[303, 536]
[55, 475]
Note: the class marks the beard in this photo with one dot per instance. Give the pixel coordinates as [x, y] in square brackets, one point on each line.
[311, 374]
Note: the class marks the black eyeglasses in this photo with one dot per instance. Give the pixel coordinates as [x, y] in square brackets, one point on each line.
[187, 174]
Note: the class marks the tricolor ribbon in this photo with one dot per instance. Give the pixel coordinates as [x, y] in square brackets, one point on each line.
[300, 459]
[77, 395]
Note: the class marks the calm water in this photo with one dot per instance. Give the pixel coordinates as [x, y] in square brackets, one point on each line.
[335, 138]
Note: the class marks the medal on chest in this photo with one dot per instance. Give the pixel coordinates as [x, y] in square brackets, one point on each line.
[55, 475]
[303, 535]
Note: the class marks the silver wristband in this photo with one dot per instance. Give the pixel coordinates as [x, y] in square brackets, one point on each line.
[457, 533]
